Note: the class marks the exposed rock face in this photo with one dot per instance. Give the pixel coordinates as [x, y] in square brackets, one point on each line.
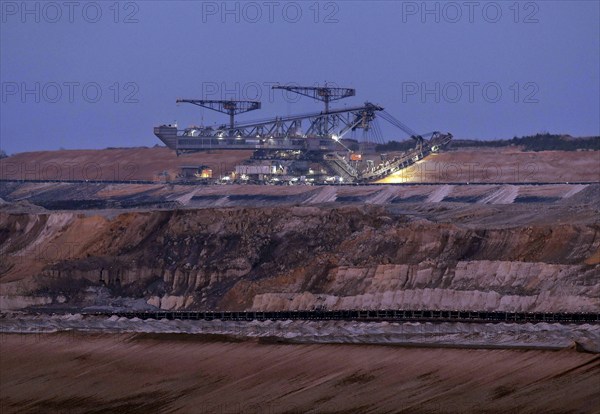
[300, 258]
[484, 285]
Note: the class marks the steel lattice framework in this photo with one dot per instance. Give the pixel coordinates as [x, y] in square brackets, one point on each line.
[304, 135]
[341, 120]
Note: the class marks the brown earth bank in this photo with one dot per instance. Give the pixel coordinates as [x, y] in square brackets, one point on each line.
[495, 165]
[112, 164]
[144, 373]
[419, 256]
[501, 165]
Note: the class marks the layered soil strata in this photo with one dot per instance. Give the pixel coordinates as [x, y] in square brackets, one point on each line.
[417, 256]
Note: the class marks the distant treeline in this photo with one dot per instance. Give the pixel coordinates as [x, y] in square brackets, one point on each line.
[538, 142]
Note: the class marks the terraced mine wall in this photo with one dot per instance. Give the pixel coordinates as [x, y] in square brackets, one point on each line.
[425, 256]
[108, 195]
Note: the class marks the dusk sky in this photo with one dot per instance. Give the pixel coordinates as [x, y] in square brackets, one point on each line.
[103, 74]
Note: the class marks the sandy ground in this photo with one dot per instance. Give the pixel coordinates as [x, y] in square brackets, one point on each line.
[463, 165]
[149, 373]
[500, 165]
[112, 164]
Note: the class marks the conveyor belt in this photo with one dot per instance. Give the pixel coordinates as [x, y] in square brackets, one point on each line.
[368, 316]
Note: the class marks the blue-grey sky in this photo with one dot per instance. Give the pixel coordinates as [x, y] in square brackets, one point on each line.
[99, 74]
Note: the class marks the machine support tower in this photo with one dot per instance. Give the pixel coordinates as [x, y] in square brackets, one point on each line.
[230, 107]
[325, 94]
